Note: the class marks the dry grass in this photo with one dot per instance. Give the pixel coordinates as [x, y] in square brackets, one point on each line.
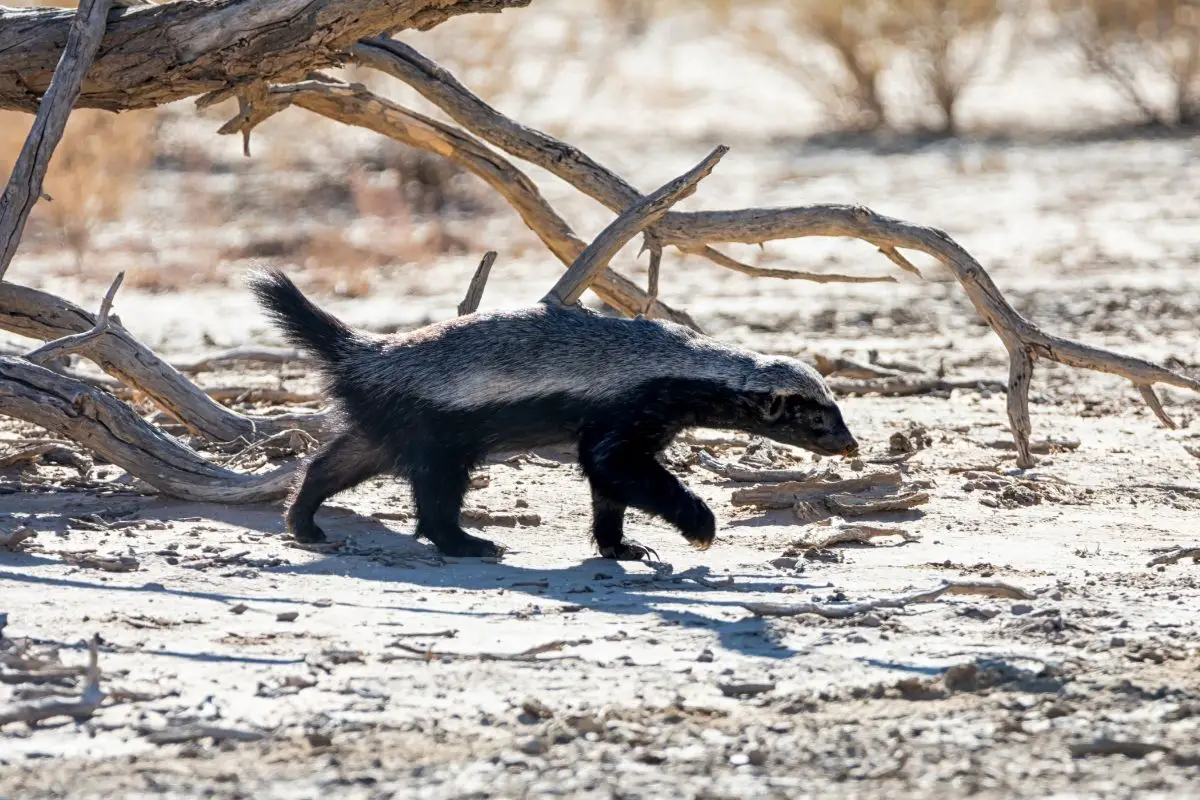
[93, 174]
[840, 51]
[1136, 43]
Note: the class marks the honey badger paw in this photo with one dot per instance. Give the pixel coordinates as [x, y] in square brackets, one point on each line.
[306, 533]
[629, 550]
[698, 525]
[467, 546]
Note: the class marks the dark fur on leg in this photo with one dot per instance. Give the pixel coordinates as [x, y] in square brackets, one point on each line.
[624, 470]
[439, 484]
[343, 463]
[608, 523]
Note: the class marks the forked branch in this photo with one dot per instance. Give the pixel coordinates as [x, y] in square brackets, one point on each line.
[693, 232]
[570, 287]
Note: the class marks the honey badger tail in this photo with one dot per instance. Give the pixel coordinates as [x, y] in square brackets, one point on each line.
[302, 323]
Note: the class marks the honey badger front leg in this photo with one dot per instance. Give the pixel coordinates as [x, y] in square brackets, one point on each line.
[622, 470]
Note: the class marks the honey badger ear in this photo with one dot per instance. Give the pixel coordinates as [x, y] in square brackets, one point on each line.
[773, 407]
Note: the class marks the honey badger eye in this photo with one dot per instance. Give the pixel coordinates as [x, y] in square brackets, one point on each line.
[816, 419]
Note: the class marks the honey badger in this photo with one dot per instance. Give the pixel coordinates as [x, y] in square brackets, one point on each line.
[430, 405]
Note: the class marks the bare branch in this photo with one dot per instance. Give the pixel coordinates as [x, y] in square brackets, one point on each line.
[1020, 376]
[1147, 393]
[568, 289]
[24, 187]
[162, 53]
[77, 341]
[1175, 556]
[87, 704]
[354, 105]
[478, 281]
[849, 368]
[720, 259]
[854, 534]
[39, 315]
[696, 230]
[107, 426]
[844, 610]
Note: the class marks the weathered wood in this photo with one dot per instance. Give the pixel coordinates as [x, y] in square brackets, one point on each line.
[24, 187]
[692, 232]
[155, 55]
[570, 287]
[474, 295]
[355, 105]
[38, 315]
[107, 426]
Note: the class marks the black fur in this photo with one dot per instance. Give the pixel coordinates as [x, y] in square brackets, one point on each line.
[435, 447]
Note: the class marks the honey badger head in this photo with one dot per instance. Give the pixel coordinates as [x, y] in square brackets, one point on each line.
[788, 401]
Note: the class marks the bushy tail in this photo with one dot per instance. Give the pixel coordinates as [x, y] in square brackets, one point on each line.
[302, 323]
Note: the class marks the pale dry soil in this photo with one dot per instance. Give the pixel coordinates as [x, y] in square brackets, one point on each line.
[379, 669]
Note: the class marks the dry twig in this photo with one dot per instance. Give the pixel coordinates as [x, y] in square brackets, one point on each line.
[854, 534]
[77, 341]
[87, 704]
[1175, 556]
[844, 610]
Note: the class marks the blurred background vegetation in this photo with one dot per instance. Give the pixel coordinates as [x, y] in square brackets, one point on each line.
[342, 206]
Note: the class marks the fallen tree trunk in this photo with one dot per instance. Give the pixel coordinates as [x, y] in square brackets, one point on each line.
[156, 54]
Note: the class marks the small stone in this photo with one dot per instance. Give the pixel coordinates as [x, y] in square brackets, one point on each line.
[316, 739]
[757, 756]
[287, 616]
[1021, 608]
[739, 759]
[322, 602]
[240, 608]
[1117, 641]
[706, 656]
[532, 747]
[784, 562]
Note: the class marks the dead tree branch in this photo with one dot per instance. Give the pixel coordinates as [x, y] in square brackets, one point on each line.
[39, 315]
[77, 341]
[87, 704]
[570, 287]
[693, 231]
[105, 425]
[842, 611]
[355, 105]
[162, 53]
[24, 187]
[474, 295]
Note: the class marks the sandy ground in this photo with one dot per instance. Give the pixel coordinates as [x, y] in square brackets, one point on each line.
[238, 665]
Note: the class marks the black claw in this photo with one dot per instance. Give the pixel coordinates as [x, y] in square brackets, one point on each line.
[629, 550]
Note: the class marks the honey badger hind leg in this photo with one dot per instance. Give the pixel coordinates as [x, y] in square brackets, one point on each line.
[621, 468]
[344, 462]
[608, 521]
[439, 481]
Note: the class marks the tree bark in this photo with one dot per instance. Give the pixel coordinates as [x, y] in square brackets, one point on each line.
[154, 55]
